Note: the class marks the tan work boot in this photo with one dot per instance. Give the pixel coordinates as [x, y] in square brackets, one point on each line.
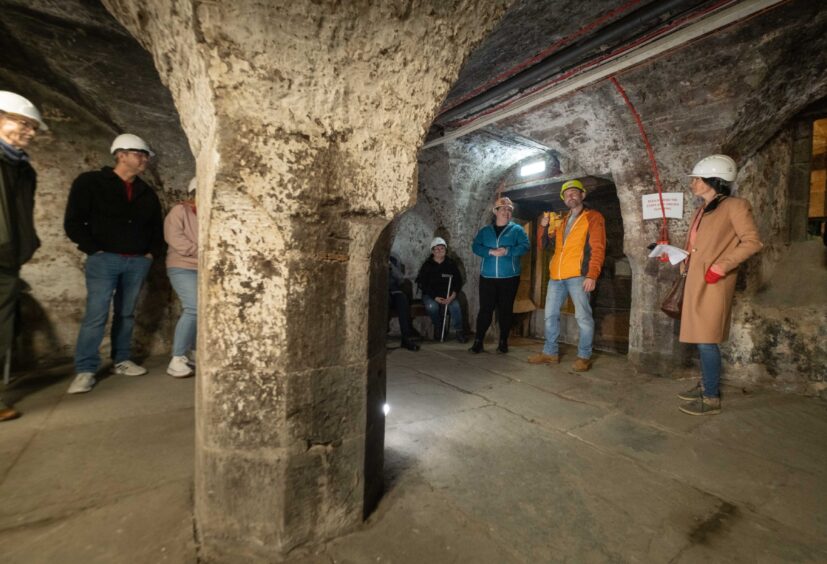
[543, 358]
[704, 406]
[7, 414]
[582, 364]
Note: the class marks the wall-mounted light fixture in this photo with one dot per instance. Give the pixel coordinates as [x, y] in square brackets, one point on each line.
[533, 168]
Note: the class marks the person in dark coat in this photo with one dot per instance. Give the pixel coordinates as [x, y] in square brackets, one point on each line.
[115, 218]
[440, 281]
[19, 123]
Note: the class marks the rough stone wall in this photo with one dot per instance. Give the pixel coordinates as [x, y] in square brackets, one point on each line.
[587, 131]
[60, 54]
[458, 181]
[78, 50]
[52, 310]
[697, 100]
[305, 118]
[412, 234]
[779, 323]
[529, 29]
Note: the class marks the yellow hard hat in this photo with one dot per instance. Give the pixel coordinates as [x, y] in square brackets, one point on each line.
[572, 184]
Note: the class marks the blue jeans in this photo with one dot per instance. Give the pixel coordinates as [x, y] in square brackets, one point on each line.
[710, 369]
[185, 283]
[555, 296]
[109, 278]
[437, 313]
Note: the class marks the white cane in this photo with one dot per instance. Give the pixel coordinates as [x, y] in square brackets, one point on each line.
[450, 278]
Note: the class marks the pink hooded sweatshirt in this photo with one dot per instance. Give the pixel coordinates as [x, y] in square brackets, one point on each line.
[181, 234]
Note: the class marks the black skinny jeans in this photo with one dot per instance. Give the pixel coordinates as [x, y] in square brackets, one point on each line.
[499, 294]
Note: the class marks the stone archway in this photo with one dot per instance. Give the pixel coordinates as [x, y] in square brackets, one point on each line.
[86, 106]
[304, 119]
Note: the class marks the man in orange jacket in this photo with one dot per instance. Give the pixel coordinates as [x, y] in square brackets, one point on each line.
[580, 247]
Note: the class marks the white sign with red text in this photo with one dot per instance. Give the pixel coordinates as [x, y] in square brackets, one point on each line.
[672, 204]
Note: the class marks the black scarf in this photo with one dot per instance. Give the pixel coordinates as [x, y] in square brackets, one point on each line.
[14, 155]
[713, 205]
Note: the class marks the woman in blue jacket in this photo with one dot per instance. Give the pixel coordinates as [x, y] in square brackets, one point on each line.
[500, 244]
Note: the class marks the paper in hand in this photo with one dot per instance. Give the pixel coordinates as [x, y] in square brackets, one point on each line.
[675, 254]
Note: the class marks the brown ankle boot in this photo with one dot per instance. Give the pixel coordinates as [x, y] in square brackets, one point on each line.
[582, 364]
[543, 358]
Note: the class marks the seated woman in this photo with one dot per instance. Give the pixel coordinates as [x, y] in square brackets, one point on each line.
[440, 280]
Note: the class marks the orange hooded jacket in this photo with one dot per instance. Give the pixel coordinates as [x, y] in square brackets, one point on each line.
[583, 251]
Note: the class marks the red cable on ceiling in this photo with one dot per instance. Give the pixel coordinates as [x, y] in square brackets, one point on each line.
[575, 70]
[543, 54]
[664, 229]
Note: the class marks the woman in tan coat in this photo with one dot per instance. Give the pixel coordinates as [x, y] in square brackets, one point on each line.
[722, 236]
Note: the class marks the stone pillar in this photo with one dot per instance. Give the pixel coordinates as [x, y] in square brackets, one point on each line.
[305, 118]
[653, 337]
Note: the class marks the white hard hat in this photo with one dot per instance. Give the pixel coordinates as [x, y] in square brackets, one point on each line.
[438, 241]
[716, 166]
[129, 142]
[16, 104]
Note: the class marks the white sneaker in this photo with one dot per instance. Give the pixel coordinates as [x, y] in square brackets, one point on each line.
[82, 383]
[178, 367]
[191, 358]
[128, 368]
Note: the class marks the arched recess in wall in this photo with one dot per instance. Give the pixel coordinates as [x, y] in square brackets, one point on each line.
[86, 105]
[536, 193]
[777, 329]
[411, 234]
[457, 183]
[808, 173]
[377, 387]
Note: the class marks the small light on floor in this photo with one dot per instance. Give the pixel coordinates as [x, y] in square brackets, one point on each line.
[386, 409]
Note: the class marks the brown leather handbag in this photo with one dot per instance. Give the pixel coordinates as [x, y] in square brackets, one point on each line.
[673, 302]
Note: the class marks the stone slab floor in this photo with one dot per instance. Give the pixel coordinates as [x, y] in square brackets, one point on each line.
[488, 460]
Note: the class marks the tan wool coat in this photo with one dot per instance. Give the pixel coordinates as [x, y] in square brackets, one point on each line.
[727, 236]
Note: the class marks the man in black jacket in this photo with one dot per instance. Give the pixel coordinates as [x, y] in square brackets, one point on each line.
[115, 218]
[19, 123]
[440, 282]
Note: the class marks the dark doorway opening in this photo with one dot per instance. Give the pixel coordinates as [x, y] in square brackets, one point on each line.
[817, 208]
[611, 300]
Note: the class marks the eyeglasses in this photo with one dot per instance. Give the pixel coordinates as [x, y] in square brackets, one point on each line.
[23, 122]
[138, 152]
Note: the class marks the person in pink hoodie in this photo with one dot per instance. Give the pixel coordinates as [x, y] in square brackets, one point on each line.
[181, 235]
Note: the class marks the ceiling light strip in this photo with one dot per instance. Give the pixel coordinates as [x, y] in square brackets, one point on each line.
[707, 25]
